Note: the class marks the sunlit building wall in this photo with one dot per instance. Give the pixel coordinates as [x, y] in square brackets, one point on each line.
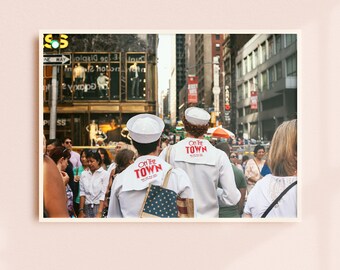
[266, 64]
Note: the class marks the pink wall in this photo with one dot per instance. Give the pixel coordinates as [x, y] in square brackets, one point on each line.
[309, 244]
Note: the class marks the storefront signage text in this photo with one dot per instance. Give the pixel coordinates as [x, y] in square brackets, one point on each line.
[98, 58]
[60, 122]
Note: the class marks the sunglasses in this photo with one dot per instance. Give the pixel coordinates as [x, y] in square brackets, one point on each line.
[68, 142]
[232, 156]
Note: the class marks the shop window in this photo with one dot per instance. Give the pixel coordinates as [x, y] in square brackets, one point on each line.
[90, 81]
[136, 80]
[115, 81]
[92, 76]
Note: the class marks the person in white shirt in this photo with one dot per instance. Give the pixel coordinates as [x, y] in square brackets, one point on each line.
[206, 166]
[282, 161]
[93, 186]
[129, 187]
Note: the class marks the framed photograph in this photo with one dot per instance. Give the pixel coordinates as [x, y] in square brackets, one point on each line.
[225, 103]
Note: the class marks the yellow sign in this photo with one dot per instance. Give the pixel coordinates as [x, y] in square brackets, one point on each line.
[213, 118]
[63, 42]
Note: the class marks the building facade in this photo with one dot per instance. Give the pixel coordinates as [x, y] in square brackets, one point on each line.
[266, 84]
[108, 77]
[181, 74]
[232, 43]
[200, 49]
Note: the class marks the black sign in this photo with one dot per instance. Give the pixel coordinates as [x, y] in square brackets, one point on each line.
[57, 59]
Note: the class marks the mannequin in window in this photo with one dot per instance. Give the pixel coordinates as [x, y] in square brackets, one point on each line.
[103, 85]
[79, 80]
[100, 137]
[92, 129]
[134, 78]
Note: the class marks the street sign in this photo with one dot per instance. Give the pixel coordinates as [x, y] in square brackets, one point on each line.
[227, 116]
[57, 59]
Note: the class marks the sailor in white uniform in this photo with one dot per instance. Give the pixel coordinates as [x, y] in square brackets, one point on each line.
[129, 187]
[206, 166]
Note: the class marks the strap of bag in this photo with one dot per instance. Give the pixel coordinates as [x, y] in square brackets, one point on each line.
[278, 199]
[257, 166]
[168, 151]
[166, 178]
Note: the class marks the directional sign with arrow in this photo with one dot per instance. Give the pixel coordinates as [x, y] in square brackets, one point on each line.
[57, 59]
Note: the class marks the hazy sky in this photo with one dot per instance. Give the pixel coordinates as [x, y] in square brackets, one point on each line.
[164, 62]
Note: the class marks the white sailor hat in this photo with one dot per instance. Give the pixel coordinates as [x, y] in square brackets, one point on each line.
[145, 128]
[197, 116]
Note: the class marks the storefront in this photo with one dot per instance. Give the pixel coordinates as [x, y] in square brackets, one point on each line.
[100, 87]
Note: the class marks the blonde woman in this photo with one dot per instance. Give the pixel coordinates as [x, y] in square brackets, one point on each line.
[282, 161]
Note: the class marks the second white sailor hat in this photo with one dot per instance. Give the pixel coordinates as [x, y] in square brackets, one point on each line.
[145, 128]
[197, 116]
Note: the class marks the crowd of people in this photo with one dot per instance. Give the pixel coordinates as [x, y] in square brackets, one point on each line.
[91, 185]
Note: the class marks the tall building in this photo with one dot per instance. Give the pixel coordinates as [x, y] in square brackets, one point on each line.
[266, 84]
[199, 52]
[190, 64]
[204, 70]
[173, 96]
[232, 43]
[180, 69]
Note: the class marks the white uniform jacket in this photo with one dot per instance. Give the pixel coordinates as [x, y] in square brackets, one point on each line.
[129, 187]
[206, 166]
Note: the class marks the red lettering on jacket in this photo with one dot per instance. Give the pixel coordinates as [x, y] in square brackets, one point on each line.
[147, 170]
[196, 149]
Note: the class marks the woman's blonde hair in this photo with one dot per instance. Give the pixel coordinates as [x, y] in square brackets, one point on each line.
[282, 158]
